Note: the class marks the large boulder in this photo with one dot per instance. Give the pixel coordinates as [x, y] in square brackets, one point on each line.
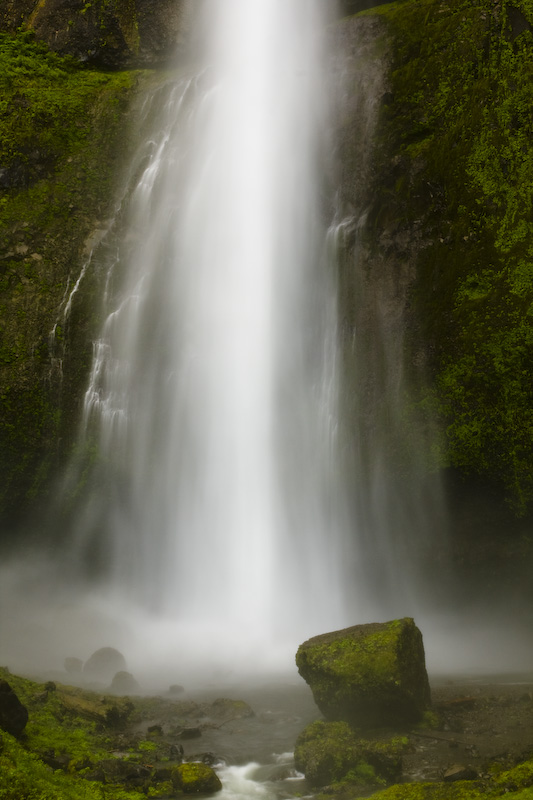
[104, 664]
[13, 715]
[369, 675]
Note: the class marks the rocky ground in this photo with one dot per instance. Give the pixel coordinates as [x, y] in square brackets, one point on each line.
[478, 727]
[480, 721]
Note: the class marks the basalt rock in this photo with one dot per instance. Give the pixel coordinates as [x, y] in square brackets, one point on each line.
[124, 683]
[368, 675]
[13, 715]
[104, 664]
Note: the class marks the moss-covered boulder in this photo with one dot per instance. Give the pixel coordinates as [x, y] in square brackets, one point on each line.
[195, 778]
[369, 675]
[331, 752]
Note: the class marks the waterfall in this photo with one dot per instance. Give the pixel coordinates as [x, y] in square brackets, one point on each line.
[216, 501]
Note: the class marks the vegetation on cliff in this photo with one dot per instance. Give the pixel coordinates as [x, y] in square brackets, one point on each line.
[454, 167]
[60, 127]
[108, 33]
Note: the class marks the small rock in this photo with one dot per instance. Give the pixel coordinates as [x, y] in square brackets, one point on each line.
[206, 758]
[176, 751]
[225, 709]
[162, 774]
[458, 772]
[60, 761]
[156, 729]
[117, 717]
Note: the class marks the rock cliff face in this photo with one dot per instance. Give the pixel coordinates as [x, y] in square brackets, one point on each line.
[60, 138]
[451, 198]
[436, 255]
[117, 34]
[64, 137]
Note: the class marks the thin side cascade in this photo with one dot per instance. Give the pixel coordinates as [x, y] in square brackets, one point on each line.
[216, 499]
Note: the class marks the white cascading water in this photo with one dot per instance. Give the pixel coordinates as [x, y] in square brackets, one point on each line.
[216, 503]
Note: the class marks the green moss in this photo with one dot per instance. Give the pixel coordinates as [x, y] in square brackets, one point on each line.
[326, 751]
[461, 790]
[371, 656]
[430, 720]
[87, 734]
[520, 777]
[195, 777]
[370, 675]
[515, 784]
[56, 728]
[333, 753]
[459, 132]
[147, 746]
[59, 131]
[25, 777]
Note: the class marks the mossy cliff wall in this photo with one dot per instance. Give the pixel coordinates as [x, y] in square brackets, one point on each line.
[449, 209]
[61, 129]
[65, 136]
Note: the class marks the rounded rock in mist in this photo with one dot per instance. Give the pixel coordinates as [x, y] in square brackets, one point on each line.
[104, 664]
